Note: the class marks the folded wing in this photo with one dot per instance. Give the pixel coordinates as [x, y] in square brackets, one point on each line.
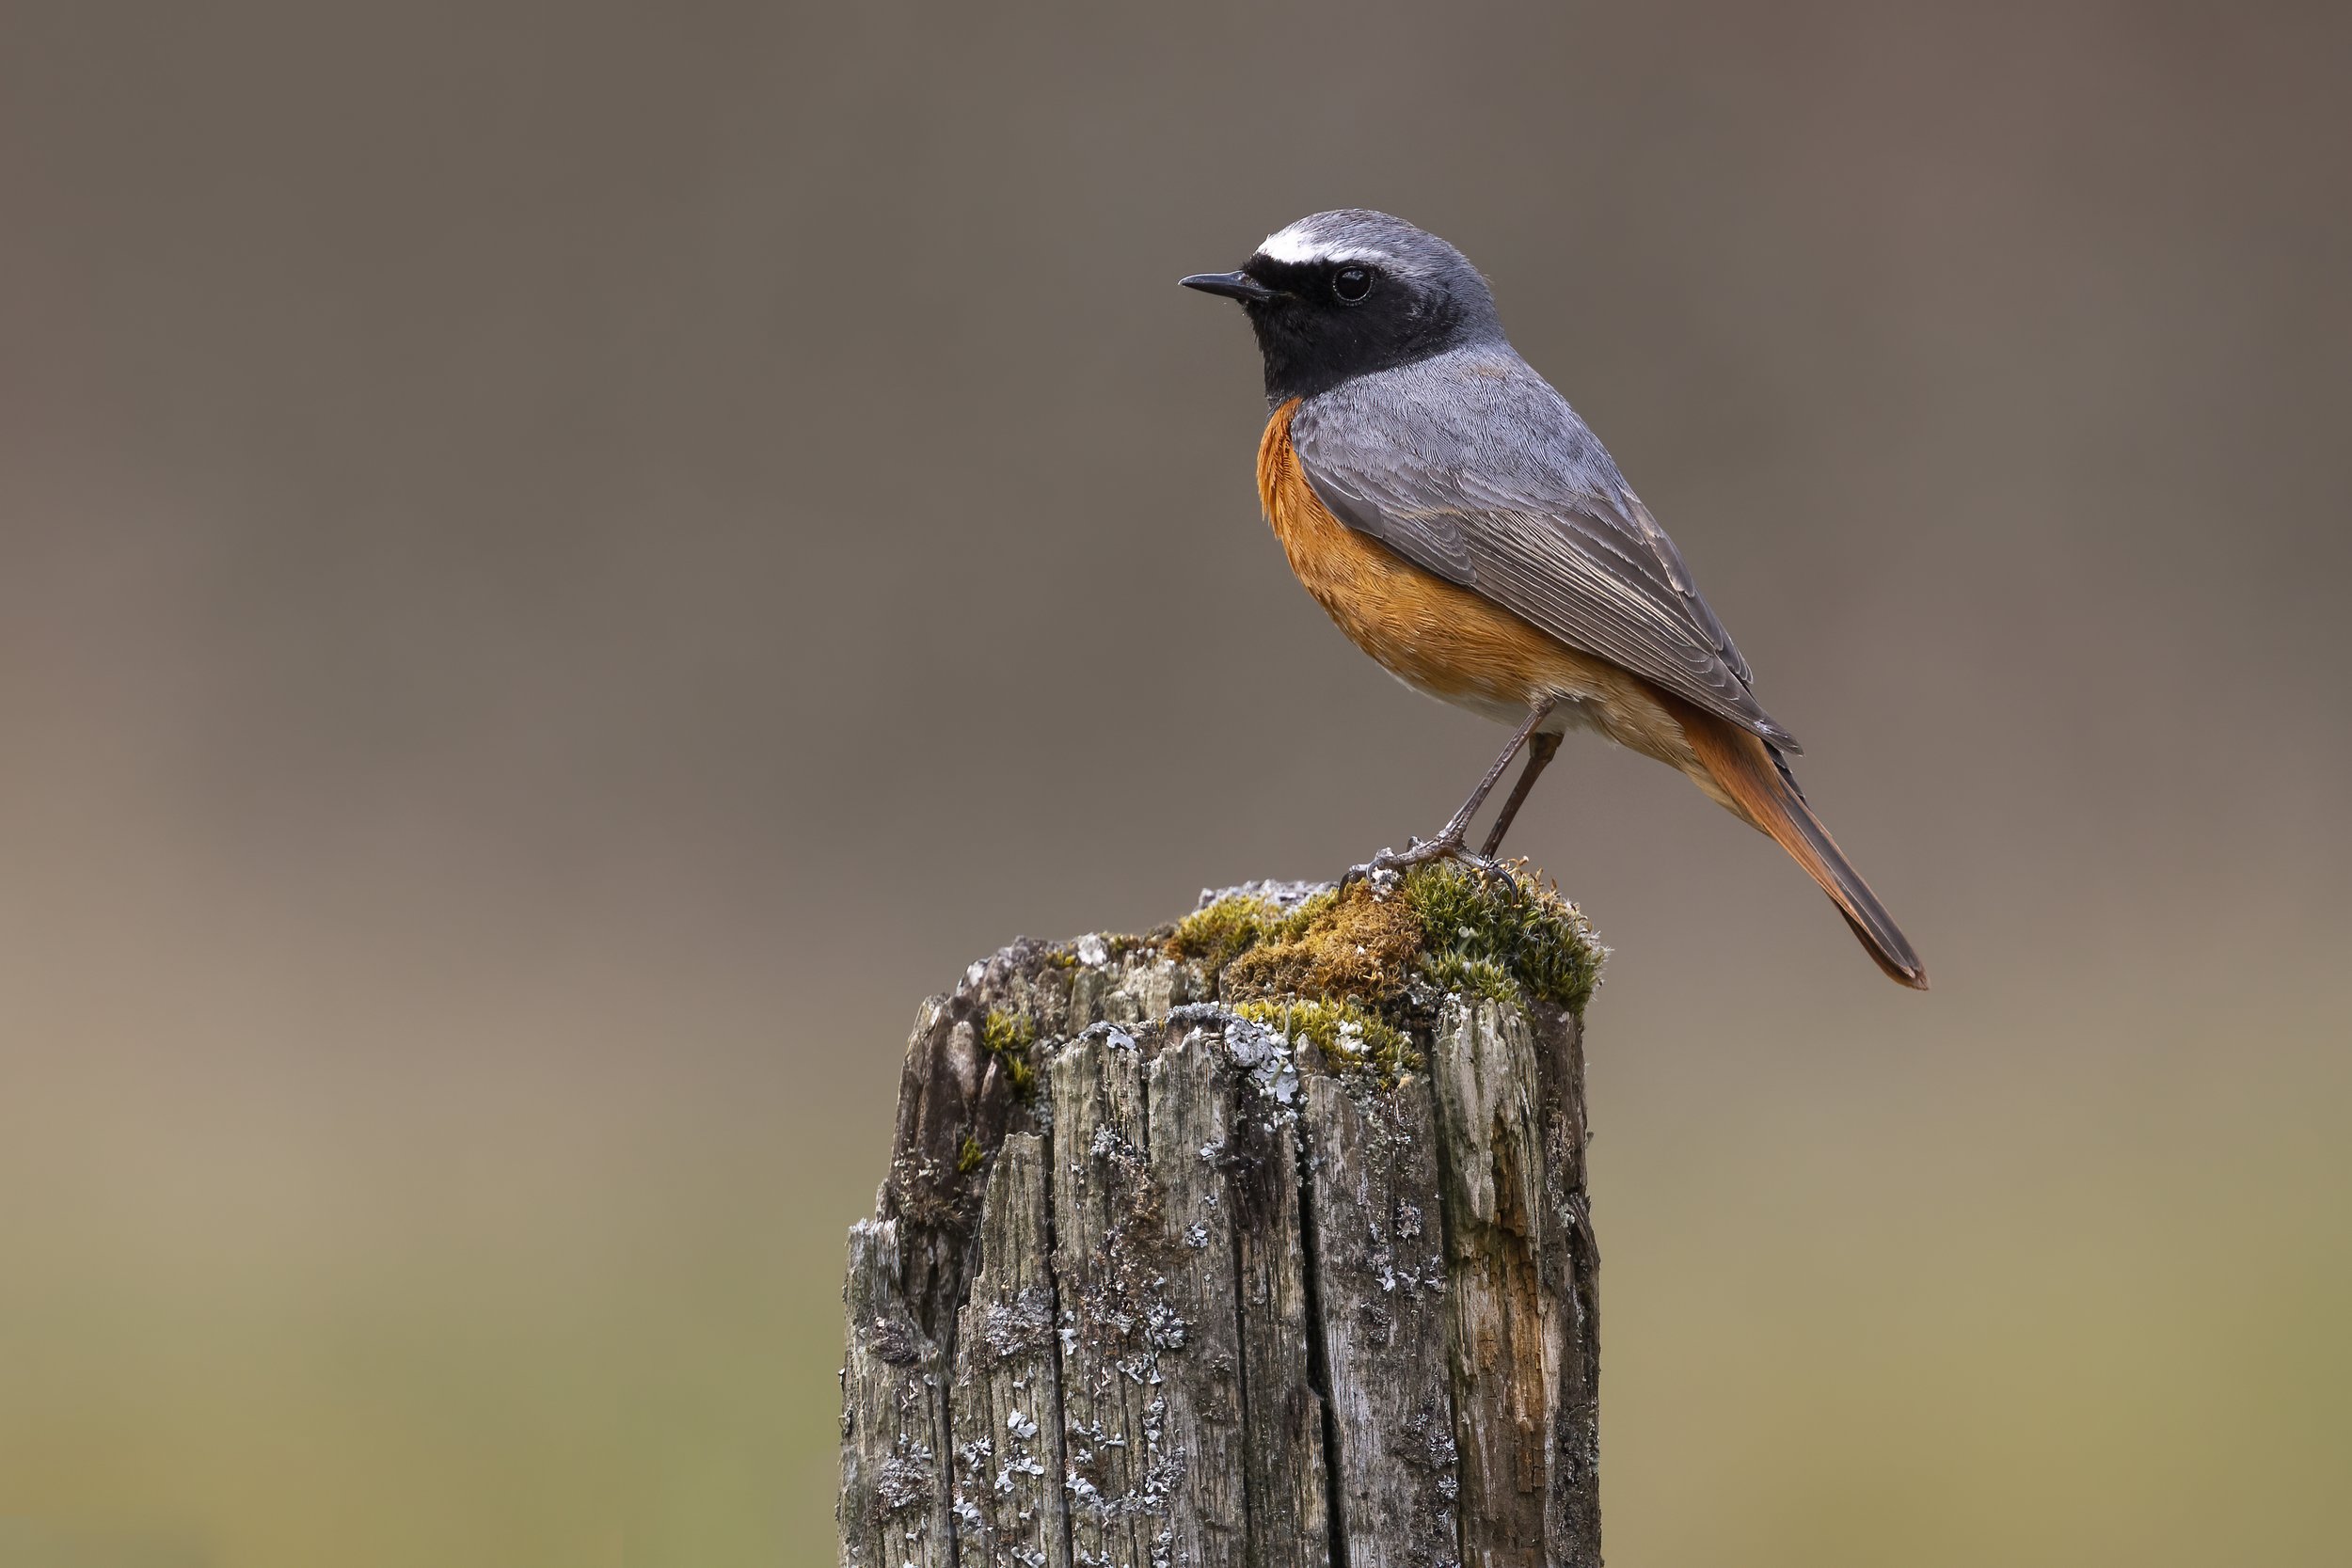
[1484, 475]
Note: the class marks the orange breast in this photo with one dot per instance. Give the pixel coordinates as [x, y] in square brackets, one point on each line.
[1428, 632]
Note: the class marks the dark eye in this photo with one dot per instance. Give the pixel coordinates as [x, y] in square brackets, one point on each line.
[1351, 284]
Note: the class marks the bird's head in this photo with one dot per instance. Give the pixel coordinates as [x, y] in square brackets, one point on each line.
[1344, 294]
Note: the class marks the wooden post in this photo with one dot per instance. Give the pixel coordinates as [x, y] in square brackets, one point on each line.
[1258, 1242]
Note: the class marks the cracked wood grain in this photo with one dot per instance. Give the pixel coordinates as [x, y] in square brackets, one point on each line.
[1287, 1473]
[1380, 1274]
[1005, 1407]
[1105, 1221]
[1514, 1321]
[892, 1509]
[1196, 1375]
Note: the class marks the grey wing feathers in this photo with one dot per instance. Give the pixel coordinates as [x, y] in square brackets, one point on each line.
[1491, 481]
[1431, 540]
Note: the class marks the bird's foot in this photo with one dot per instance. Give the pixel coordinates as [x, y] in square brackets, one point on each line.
[1384, 867]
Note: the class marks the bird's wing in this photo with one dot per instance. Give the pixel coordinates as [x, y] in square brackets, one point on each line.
[1511, 496]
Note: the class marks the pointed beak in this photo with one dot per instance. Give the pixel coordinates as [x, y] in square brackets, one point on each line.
[1232, 285]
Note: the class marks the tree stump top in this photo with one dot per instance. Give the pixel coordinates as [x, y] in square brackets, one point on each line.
[1258, 1240]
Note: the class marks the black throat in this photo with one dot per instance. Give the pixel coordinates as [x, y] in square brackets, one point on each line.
[1311, 340]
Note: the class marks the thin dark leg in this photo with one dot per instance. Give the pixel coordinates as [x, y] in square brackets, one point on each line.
[1539, 754]
[1449, 837]
[1452, 833]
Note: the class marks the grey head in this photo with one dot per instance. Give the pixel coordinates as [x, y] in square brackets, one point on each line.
[1345, 294]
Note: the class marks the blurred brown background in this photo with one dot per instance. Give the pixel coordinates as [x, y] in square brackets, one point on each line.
[564, 564]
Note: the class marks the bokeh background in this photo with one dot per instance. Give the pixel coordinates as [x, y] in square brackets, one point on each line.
[565, 563]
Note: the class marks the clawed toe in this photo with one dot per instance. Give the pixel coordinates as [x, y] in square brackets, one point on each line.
[1389, 863]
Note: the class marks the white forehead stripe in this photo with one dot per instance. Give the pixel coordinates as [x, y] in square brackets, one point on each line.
[1298, 242]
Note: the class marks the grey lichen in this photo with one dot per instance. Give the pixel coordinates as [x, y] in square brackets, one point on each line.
[1350, 1039]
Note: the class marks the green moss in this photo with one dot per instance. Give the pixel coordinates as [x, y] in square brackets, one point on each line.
[1350, 1037]
[1463, 930]
[1457, 975]
[968, 1158]
[1006, 1034]
[1351, 947]
[1225, 930]
[1486, 935]
[1314, 910]
[1009, 1036]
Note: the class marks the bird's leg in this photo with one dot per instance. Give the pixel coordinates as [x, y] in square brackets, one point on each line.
[1450, 837]
[1448, 841]
[1539, 753]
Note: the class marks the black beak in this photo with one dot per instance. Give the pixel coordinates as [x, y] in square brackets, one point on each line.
[1232, 285]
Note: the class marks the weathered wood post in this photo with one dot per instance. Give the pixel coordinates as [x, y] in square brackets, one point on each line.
[1258, 1240]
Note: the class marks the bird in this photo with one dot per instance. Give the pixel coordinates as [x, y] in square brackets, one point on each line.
[1465, 528]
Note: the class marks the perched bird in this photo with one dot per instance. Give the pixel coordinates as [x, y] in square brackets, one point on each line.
[1453, 515]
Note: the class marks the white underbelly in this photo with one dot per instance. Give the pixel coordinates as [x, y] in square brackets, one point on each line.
[1571, 712]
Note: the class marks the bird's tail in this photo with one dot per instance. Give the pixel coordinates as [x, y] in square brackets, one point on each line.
[1763, 790]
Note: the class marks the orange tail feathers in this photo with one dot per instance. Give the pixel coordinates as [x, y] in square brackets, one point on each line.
[1763, 790]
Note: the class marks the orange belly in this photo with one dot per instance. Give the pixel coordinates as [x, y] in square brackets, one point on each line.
[1446, 640]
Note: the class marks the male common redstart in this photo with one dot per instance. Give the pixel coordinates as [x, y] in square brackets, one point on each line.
[1456, 519]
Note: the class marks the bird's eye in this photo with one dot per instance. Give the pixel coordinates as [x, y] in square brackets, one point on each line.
[1351, 284]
